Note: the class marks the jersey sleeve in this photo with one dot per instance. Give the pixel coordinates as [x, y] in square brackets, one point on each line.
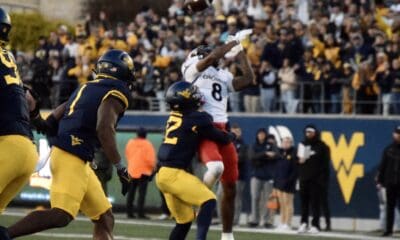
[189, 70]
[118, 94]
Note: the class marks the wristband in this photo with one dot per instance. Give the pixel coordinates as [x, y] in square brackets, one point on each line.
[119, 165]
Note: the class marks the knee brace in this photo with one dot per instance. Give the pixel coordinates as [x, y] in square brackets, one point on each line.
[213, 173]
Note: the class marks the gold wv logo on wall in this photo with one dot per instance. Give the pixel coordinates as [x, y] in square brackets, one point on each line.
[342, 155]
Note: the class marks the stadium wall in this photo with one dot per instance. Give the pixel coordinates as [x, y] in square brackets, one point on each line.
[356, 145]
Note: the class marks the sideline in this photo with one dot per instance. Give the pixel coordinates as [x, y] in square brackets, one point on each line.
[118, 220]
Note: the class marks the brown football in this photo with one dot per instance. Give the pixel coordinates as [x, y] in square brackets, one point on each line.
[197, 5]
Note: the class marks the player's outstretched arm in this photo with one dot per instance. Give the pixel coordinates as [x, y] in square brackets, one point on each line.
[48, 126]
[214, 134]
[107, 117]
[215, 55]
[248, 77]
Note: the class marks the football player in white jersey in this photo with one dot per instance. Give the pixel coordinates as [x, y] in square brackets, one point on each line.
[201, 69]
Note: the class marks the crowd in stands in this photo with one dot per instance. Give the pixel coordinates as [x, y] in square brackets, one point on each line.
[328, 56]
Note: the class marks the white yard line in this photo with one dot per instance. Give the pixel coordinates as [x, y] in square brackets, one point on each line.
[86, 236]
[237, 229]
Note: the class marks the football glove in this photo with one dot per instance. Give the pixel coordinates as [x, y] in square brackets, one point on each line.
[232, 136]
[124, 179]
[48, 127]
[235, 50]
[243, 34]
[33, 113]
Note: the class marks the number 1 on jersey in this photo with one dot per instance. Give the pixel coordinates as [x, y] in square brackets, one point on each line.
[173, 123]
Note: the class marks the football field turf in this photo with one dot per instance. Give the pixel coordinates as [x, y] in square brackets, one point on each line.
[80, 229]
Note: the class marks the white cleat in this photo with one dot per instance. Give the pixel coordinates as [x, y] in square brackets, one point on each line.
[302, 228]
[285, 228]
[313, 230]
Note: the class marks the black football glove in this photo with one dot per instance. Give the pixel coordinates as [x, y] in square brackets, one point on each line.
[232, 136]
[36, 111]
[125, 179]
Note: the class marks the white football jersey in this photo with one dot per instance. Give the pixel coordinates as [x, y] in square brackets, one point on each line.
[215, 85]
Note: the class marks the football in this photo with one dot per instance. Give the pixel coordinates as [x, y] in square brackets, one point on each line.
[197, 5]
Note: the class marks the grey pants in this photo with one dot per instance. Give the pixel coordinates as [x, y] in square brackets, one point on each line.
[260, 191]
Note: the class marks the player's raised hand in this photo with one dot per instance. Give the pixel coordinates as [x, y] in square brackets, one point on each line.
[243, 34]
[124, 178]
[235, 50]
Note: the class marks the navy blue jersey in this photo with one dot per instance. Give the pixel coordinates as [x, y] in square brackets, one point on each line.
[14, 112]
[77, 129]
[182, 137]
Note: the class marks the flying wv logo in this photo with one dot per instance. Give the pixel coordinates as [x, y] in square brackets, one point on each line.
[185, 93]
[343, 154]
[76, 141]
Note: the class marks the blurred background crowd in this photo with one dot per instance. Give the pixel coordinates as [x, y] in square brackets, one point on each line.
[327, 56]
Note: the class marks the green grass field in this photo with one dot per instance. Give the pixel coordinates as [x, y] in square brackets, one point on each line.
[159, 230]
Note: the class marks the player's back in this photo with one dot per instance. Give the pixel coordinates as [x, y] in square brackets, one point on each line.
[182, 138]
[14, 117]
[77, 129]
[215, 85]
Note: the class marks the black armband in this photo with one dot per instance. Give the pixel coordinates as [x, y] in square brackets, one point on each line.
[48, 127]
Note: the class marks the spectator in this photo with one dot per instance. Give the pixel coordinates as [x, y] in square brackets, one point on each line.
[332, 87]
[82, 70]
[141, 158]
[385, 82]
[251, 97]
[314, 160]
[103, 168]
[41, 78]
[237, 5]
[255, 10]
[68, 84]
[244, 175]
[56, 75]
[350, 32]
[235, 97]
[264, 154]
[288, 85]
[396, 86]
[381, 191]
[244, 164]
[389, 177]
[285, 182]
[54, 46]
[269, 84]
[347, 91]
[232, 29]
[366, 89]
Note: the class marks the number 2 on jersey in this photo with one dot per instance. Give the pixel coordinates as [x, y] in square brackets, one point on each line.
[173, 123]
